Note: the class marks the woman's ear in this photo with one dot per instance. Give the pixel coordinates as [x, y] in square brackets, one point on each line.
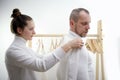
[19, 30]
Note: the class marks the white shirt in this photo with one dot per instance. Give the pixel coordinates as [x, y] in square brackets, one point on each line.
[22, 62]
[77, 64]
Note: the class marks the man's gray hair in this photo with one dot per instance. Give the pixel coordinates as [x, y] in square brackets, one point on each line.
[75, 13]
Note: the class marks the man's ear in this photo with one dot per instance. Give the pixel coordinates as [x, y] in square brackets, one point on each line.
[72, 23]
[19, 30]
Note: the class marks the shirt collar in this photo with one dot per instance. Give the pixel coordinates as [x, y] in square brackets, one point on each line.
[74, 34]
[20, 40]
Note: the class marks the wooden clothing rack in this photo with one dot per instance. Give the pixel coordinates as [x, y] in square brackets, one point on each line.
[94, 45]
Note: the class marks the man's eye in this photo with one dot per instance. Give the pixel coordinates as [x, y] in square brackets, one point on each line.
[85, 23]
[31, 29]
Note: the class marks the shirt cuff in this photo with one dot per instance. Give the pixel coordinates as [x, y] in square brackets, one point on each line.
[59, 53]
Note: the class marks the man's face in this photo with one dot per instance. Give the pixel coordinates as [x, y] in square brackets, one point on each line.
[82, 26]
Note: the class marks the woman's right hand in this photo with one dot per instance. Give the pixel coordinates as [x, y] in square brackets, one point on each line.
[75, 43]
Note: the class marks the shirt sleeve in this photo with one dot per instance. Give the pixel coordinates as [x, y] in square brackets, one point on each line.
[23, 59]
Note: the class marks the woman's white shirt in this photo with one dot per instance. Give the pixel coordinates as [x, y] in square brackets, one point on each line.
[22, 62]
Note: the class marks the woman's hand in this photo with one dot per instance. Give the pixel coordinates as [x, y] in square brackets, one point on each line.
[75, 43]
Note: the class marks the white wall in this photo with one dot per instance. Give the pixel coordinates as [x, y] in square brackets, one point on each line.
[51, 16]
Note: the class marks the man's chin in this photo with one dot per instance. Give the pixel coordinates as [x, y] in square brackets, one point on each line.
[84, 35]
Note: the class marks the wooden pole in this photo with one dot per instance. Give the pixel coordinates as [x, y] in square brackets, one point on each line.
[101, 53]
